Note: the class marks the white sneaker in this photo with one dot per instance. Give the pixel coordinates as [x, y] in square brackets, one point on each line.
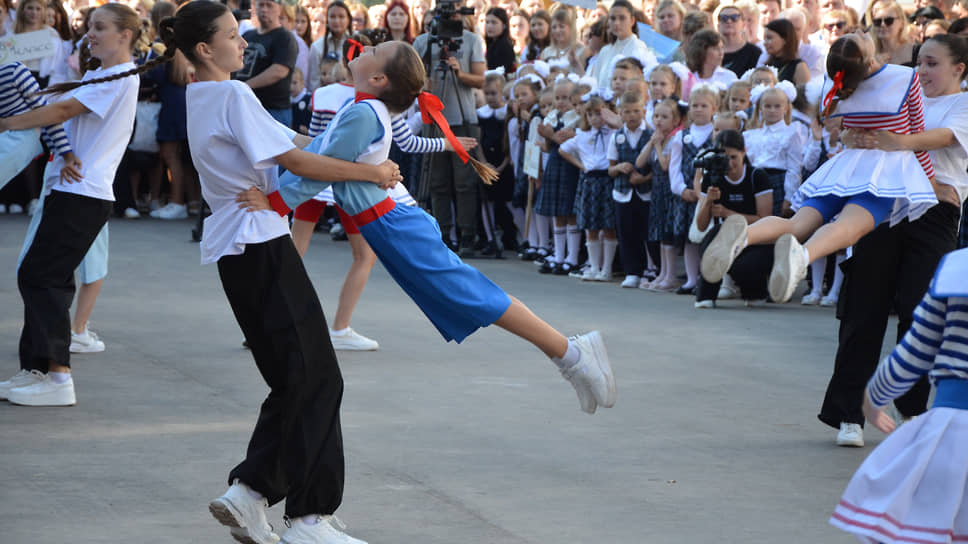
[850, 435]
[589, 274]
[20, 379]
[171, 211]
[154, 205]
[3, 208]
[32, 206]
[352, 341]
[131, 213]
[245, 514]
[86, 342]
[326, 530]
[630, 282]
[728, 289]
[592, 376]
[15, 208]
[705, 304]
[44, 393]
[788, 268]
[603, 275]
[810, 299]
[829, 300]
[723, 249]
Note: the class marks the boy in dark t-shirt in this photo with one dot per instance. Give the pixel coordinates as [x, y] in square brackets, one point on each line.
[269, 59]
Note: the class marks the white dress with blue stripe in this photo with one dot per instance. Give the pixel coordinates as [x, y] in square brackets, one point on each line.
[914, 486]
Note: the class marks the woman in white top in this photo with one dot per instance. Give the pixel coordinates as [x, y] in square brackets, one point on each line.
[295, 452]
[891, 268]
[621, 23]
[704, 57]
[98, 115]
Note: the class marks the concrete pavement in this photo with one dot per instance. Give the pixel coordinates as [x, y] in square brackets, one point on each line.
[714, 437]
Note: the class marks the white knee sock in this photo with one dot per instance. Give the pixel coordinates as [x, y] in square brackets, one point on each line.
[691, 255]
[838, 277]
[518, 216]
[608, 254]
[817, 269]
[594, 254]
[560, 238]
[533, 232]
[543, 223]
[574, 245]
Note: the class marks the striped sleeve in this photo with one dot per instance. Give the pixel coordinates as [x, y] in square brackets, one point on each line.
[916, 114]
[914, 356]
[409, 143]
[22, 97]
[319, 121]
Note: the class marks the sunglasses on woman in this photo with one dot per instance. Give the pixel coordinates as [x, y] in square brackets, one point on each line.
[886, 21]
[839, 25]
[729, 17]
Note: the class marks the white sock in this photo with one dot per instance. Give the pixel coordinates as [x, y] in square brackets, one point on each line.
[571, 357]
[574, 245]
[838, 278]
[608, 255]
[560, 244]
[59, 377]
[594, 254]
[533, 232]
[518, 216]
[806, 257]
[543, 223]
[341, 332]
[252, 492]
[311, 519]
[817, 269]
[691, 255]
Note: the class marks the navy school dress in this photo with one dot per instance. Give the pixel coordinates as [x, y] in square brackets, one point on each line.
[495, 150]
[559, 184]
[594, 206]
[661, 213]
[684, 211]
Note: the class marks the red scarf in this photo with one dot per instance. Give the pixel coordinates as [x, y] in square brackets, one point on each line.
[431, 110]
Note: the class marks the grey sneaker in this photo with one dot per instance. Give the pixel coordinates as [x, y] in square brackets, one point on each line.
[788, 268]
[245, 514]
[592, 376]
[326, 530]
[723, 249]
[20, 379]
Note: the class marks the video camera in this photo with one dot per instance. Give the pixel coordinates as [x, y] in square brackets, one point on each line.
[714, 163]
[447, 30]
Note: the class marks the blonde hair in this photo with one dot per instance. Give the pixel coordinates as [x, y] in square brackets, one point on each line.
[738, 85]
[757, 120]
[705, 91]
[669, 72]
[904, 37]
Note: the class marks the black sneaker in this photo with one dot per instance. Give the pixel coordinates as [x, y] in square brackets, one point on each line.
[562, 269]
[686, 291]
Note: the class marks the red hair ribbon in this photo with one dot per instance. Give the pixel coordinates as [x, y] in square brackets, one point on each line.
[355, 49]
[838, 85]
[430, 111]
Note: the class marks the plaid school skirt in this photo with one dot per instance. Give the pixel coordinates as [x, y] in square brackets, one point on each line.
[593, 204]
[559, 186]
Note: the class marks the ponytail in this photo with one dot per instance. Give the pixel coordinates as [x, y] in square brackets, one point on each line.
[847, 67]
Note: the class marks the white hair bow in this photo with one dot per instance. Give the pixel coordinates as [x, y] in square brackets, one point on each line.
[757, 92]
[535, 78]
[588, 80]
[812, 91]
[542, 68]
[499, 71]
[789, 89]
[602, 92]
[749, 73]
[570, 77]
[680, 70]
[742, 115]
[707, 86]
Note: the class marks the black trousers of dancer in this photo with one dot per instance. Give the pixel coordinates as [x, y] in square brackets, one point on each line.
[68, 227]
[632, 220]
[296, 449]
[890, 267]
[750, 271]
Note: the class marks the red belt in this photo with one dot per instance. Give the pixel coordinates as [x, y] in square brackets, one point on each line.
[372, 214]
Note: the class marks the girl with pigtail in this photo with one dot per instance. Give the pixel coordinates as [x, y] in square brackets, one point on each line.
[98, 114]
[863, 186]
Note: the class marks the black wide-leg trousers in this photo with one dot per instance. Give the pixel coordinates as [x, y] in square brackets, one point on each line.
[68, 227]
[890, 267]
[296, 449]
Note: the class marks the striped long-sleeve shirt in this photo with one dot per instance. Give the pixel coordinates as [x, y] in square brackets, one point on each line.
[18, 90]
[402, 135]
[936, 343]
[909, 120]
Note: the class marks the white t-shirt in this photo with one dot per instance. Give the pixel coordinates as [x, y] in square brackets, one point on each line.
[233, 141]
[950, 112]
[100, 136]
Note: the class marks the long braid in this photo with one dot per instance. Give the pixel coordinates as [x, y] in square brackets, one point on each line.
[126, 19]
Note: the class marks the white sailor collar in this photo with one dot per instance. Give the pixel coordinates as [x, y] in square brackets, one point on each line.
[882, 93]
[951, 278]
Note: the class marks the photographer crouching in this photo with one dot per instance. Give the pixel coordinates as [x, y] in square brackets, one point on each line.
[455, 65]
[731, 186]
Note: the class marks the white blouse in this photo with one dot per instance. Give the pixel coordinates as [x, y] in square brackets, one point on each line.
[590, 147]
[777, 146]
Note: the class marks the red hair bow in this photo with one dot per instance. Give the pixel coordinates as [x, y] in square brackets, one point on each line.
[355, 49]
[838, 85]
[431, 110]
